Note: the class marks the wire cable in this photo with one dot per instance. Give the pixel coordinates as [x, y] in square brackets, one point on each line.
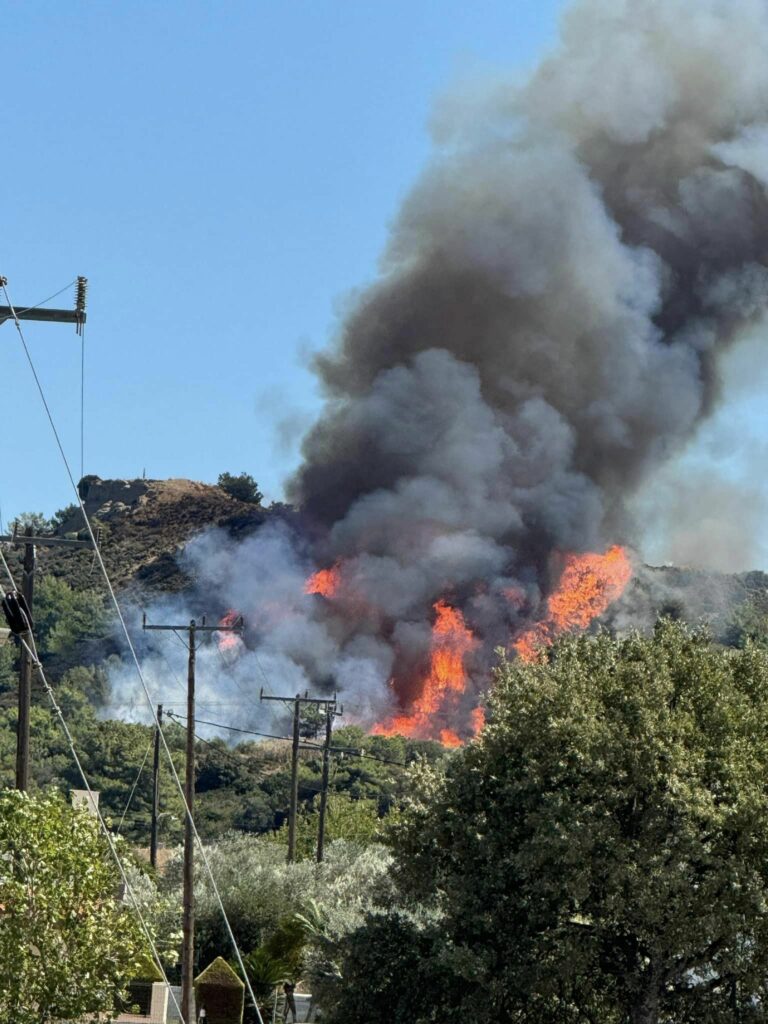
[31, 649]
[8, 572]
[37, 305]
[135, 784]
[272, 736]
[132, 649]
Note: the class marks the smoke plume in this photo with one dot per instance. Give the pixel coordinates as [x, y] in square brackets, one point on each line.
[545, 334]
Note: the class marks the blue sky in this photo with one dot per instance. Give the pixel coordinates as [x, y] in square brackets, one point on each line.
[223, 174]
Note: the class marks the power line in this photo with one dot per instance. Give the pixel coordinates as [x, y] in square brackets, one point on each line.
[32, 652]
[272, 736]
[135, 784]
[132, 650]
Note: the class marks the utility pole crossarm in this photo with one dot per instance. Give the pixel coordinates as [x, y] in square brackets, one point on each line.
[45, 314]
[302, 700]
[59, 316]
[45, 542]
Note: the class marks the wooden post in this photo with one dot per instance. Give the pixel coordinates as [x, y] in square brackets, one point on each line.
[25, 670]
[294, 804]
[31, 542]
[155, 789]
[188, 895]
[298, 700]
[329, 712]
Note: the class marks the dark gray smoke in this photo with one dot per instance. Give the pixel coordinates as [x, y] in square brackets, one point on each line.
[545, 332]
[555, 297]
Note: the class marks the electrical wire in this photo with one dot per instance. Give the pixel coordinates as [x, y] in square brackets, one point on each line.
[272, 736]
[135, 784]
[148, 935]
[132, 649]
[8, 572]
[31, 649]
[231, 728]
[37, 305]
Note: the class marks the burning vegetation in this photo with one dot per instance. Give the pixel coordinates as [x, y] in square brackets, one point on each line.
[557, 293]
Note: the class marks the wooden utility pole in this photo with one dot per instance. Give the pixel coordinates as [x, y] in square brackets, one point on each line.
[188, 894]
[294, 804]
[30, 541]
[297, 701]
[155, 789]
[25, 672]
[330, 711]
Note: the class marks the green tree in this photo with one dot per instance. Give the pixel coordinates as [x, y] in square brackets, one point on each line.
[356, 821]
[601, 853]
[67, 943]
[39, 523]
[241, 486]
[65, 618]
[749, 621]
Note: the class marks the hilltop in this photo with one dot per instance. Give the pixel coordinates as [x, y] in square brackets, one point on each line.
[144, 524]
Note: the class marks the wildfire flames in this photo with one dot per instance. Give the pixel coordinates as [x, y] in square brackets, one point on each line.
[588, 585]
[324, 582]
[228, 641]
[446, 679]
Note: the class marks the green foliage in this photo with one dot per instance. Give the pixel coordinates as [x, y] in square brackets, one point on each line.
[66, 618]
[260, 891]
[146, 969]
[241, 486]
[39, 523]
[8, 674]
[356, 821]
[220, 992]
[64, 514]
[67, 944]
[601, 853]
[162, 915]
[749, 622]
[392, 972]
[265, 972]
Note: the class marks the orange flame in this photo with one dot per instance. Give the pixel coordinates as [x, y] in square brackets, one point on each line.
[588, 585]
[325, 582]
[228, 641]
[452, 641]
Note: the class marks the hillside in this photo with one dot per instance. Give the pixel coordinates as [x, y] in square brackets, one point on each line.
[144, 524]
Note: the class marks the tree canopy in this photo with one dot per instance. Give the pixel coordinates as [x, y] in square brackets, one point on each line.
[601, 852]
[241, 486]
[68, 944]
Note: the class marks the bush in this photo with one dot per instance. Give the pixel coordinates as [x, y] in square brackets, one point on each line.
[243, 487]
[220, 992]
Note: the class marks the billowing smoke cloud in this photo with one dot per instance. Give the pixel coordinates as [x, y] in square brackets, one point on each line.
[544, 335]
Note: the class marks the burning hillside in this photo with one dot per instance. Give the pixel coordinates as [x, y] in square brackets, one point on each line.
[556, 294]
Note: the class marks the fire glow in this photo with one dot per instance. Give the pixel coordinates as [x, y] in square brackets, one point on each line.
[588, 585]
[442, 708]
[325, 582]
[446, 679]
[228, 641]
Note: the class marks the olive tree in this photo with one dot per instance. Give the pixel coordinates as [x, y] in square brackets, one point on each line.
[68, 944]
